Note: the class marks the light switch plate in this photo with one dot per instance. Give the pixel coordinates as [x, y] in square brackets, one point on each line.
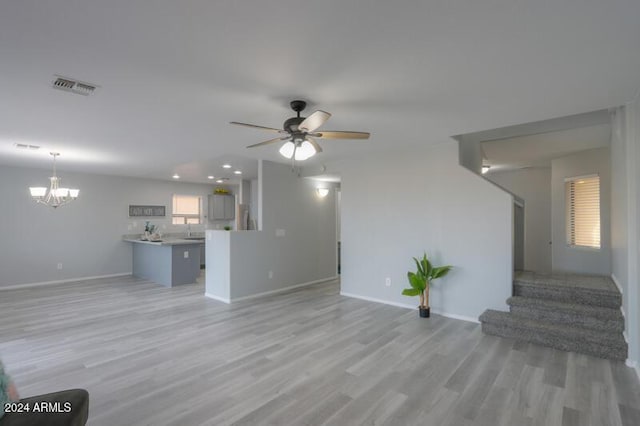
[280, 232]
[186, 254]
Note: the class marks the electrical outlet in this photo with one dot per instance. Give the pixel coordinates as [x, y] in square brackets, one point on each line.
[59, 266]
[270, 275]
[387, 282]
[280, 232]
[186, 254]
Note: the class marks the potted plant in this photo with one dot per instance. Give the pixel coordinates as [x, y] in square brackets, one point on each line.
[421, 280]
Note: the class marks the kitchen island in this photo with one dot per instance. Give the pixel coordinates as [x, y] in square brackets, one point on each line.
[168, 262]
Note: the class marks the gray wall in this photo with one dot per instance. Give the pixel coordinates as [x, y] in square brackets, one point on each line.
[305, 253]
[571, 259]
[85, 236]
[533, 186]
[397, 206]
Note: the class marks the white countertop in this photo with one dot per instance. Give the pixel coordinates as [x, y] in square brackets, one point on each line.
[165, 242]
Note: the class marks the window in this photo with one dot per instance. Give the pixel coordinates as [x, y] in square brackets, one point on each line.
[186, 210]
[583, 211]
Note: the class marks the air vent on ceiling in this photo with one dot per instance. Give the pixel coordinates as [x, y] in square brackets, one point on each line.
[73, 86]
[26, 146]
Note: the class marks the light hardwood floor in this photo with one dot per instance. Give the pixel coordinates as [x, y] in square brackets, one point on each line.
[149, 355]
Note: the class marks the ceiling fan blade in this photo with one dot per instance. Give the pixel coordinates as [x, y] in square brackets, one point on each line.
[314, 121]
[315, 144]
[341, 135]
[271, 129]
[274, 140]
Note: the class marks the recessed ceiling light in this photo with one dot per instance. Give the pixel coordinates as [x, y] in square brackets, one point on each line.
[219, 181]
[210, 177]
[226, 166]
[176, 176]
[238, 172]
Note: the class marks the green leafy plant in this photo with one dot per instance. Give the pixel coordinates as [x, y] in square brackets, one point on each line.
[148, 227]
[227, 228]
[421, 279]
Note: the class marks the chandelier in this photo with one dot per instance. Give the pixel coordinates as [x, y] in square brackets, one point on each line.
[56, 196]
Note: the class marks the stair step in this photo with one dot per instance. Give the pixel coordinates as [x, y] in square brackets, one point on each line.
[589, 290]
[571, 314]
[575, 339]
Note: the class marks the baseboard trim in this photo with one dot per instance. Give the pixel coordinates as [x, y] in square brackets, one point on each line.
[456, 316]
[373, 299]
[218, 298]
[270, 292]
[615, 281]
[407, 306]
[69, 280]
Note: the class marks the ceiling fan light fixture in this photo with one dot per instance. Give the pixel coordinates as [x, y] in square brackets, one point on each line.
[305, 151]
[287, 149]
[299, 133]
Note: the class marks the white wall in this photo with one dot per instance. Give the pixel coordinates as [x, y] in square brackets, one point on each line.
[397, 206]
[571, 259]
[619, 206]
[470, 154]
[633, 190]
[254, 204]
[245, 190]
[625, 219]
[533, 186]
[305, 253]
[86, 235]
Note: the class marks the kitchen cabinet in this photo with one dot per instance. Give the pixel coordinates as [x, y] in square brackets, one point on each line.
[222, 207]
[169, 263]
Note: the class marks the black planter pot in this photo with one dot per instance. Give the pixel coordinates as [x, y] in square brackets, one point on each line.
[424, 312]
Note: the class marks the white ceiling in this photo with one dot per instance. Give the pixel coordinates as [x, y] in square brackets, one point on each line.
[539, 149]
[174, 73]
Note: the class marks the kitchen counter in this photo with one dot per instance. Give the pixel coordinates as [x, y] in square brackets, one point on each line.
[168, 241]
[170, 262]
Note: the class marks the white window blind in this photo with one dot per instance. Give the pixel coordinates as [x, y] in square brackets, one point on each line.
[186, 209]
[583, 211]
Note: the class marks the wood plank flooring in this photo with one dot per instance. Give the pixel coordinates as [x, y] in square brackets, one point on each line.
[150, 355]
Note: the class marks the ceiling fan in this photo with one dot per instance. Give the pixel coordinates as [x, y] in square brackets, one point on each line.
[300, 133]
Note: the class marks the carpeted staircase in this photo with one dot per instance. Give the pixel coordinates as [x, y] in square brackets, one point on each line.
[571, 312]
